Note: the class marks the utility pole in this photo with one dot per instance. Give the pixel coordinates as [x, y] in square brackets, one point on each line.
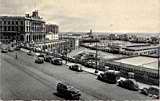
[158, 62]
[96, 70]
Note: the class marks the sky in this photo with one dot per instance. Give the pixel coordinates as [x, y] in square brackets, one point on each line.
[98, 15]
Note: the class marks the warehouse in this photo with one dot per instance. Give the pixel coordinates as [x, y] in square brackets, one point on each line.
[144, 68]
[147, 62]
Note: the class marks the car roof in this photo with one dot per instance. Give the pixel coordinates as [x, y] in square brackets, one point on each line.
[154, 87]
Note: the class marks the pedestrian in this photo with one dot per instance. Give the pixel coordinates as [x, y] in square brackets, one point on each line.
[16, 56]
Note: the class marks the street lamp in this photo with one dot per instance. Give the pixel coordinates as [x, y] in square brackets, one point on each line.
[158, 62]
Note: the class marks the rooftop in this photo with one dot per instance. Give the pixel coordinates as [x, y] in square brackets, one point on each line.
[135, 48]
[147, 62]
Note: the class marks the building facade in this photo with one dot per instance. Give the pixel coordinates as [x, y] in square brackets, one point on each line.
[34, 28]
[73, 41]
[52, 32]
[142, 74]
[22, 28]
[12, 28]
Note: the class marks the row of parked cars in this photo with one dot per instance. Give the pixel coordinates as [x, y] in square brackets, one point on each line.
[109, 76]
[9, 49]
[112, 76]
[41, 58]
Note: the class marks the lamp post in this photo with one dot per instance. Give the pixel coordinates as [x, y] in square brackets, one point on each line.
[158, 62]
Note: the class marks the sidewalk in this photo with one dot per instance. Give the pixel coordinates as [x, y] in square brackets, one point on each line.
[92, 71]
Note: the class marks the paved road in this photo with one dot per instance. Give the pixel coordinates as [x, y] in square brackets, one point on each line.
[23, 79]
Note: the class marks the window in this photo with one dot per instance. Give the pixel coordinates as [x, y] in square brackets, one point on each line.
[12, 22]
[4, 22]
[5, 29]
[21, 22]
[16, 22]
[8, 22]
[21, 28]
[12, 28]
[9, 28]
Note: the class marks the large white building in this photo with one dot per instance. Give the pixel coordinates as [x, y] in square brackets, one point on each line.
[22, 28]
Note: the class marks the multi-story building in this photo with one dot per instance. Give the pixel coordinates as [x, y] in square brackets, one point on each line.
[52, 32]
[22, 28]
[12, 28]
[73, 41]
[34, 28]
[52, 28]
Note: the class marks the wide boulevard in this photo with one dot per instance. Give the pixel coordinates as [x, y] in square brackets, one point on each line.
[22, 79]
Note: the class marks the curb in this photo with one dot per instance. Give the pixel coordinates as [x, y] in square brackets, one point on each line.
[90, 72]
[86, 71]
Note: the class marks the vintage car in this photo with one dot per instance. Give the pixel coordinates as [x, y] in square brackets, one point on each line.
[10, 49]
[30, 53]
[57, 61]
[153, 91]
[109, 76]
[41, 55]
[75, 67]
[39, 60]
[17, 48]
[48, 58]
[130, 84]
[4, 50]
[68, 92]
[144, 91]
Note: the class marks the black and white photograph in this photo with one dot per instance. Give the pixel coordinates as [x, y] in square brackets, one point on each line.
[79, 50]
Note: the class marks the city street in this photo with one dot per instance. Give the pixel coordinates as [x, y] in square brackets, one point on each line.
[23, 79]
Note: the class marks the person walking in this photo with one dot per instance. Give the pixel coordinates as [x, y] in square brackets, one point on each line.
[16, 56]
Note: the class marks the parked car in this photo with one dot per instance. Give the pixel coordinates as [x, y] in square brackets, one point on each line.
[154, 92]
[39, 60]
[109, 76]
[91, 64]
[67, 91]
[41, 55]
[4, 50]
[17, 48]
[129, 84]
[10, 49]
[75, 67]
[48, 58]
[30, 53]
[57, 61]
[144, 91]
[103, 68]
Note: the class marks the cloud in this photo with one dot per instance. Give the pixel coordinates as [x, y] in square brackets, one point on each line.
[99, 15]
